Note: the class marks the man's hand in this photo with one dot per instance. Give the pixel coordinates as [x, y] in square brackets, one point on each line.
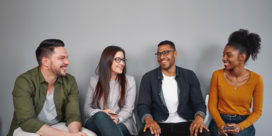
[197, 126]
[221, 131]
[152, 125]
[77, 134]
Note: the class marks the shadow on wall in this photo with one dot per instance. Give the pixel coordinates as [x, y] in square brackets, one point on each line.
[209, 61]
[83, 84]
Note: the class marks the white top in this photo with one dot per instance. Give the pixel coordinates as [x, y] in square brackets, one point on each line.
[125, 112]
[170, 93]
[48, 113]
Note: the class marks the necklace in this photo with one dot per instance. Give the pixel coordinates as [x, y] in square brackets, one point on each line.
[237, 81]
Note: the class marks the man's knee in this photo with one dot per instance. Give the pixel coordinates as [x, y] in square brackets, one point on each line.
[20, 132]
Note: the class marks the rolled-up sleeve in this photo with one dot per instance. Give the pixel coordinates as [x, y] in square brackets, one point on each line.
[72, 111]
[23, 106]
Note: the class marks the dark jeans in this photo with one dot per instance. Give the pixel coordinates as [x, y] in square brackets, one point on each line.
[174, 129]
[249, 131]
[102, 124]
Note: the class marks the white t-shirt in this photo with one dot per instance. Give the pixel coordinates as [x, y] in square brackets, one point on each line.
[170, 92]
[48, 113]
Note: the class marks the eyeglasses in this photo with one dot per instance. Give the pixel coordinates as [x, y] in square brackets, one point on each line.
[165, 52]
[118, 60]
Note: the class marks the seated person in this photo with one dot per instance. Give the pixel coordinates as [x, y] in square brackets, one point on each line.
[170, 100]
[233, 88]
[111, 95]
[46, 96]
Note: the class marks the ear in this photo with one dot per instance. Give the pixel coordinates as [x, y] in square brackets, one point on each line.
[175, 54]
[242, 57]
[45, 62]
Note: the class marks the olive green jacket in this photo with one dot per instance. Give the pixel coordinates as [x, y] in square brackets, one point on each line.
[29, 95]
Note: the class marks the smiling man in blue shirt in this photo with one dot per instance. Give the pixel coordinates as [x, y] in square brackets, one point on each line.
[170, 101]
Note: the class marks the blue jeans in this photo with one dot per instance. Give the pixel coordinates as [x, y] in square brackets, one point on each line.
[102, 124]
[249, 131]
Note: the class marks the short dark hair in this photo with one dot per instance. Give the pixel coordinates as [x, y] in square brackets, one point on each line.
[46, 48]
[245, 42]
[167, 42]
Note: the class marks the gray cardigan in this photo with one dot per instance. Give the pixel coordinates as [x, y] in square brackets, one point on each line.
[125, 113]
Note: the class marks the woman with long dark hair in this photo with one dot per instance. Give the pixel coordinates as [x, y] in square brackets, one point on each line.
[111, 95]
[233, 88]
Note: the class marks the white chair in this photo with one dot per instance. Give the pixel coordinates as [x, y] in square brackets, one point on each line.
[208, 117]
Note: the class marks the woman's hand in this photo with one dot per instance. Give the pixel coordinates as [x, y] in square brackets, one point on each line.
[109, 113]
[236, 129]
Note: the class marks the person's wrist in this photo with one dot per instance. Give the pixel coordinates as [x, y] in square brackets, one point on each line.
[148, 119]
[199, 116]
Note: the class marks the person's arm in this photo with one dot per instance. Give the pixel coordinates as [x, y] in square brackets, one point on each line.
[144, 99]
[74, 127]
[127, 110]
[198, 105]
[198, 102]
[213, 103]
[72, 112]
[257, 104]
[144, 107]
[23, 105]
[88, 110]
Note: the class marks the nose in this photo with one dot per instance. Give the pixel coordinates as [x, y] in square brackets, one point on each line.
[224, 58]
[66, 61]
[122, 63]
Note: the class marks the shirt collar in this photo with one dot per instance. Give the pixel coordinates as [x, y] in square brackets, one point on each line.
[160, 76]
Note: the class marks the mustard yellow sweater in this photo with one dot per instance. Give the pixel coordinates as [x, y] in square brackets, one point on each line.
[224, 99]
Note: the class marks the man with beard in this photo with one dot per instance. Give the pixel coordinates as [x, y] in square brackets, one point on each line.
[170, 101]
[45, 98]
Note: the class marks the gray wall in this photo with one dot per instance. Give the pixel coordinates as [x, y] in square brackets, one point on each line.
[199, 28]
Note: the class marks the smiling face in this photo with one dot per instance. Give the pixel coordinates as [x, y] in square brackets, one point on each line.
[167, 59]
[117, 64]
[58, 61]
[232, 58]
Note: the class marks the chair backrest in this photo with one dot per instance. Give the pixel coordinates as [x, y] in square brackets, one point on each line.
[208, 117]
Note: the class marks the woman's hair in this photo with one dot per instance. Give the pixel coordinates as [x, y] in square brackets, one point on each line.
[103, 71]
[245, 42]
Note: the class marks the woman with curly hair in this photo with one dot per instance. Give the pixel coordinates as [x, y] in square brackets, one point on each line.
[233, 88]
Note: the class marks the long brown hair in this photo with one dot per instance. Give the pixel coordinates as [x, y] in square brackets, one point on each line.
[103, 71]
